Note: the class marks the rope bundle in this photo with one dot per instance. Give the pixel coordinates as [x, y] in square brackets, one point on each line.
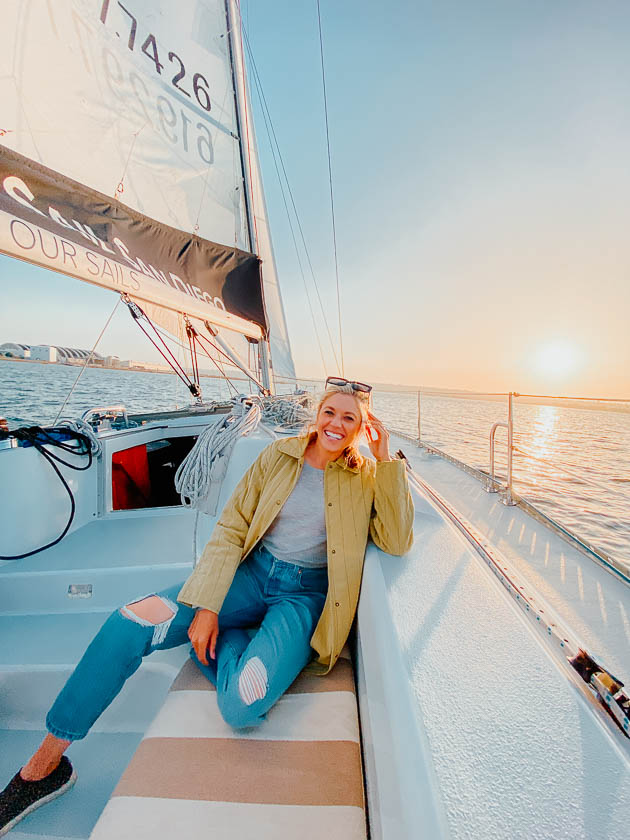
[207, 461]
[287, 413]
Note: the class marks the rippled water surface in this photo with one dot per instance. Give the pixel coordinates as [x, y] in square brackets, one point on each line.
[574, 464]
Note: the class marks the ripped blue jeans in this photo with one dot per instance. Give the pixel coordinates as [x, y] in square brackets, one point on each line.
[265, 627]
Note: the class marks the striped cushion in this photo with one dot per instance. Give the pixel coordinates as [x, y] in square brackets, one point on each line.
[296, 775]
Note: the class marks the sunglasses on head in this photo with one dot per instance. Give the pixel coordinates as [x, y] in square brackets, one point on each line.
[339, 382]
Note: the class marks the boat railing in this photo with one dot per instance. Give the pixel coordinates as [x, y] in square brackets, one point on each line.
[504, 484]
[492, 483]
[491, 486]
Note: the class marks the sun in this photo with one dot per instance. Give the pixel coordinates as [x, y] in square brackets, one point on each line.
[558, 358]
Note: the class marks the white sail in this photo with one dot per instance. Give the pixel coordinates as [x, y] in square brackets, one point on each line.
[135, 102]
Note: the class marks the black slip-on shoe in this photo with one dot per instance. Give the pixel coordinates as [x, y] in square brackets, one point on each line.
[20, 797]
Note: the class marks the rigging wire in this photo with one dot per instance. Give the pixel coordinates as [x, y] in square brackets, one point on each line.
[267, 118]
[193, 341]
[263, 98]
[138, 314]
[203, 338]
[330, 181]
[88, 360]
[207, 355]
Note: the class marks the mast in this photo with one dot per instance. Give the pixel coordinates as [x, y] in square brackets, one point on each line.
[240, 105]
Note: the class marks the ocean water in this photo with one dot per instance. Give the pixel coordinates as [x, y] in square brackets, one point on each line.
[572, 463]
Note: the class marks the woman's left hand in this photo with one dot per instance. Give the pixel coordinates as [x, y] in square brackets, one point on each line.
[379, 447]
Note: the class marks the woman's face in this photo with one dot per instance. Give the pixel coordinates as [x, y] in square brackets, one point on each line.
[338, 423]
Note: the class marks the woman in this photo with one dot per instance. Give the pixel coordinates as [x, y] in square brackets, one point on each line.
[285, 557]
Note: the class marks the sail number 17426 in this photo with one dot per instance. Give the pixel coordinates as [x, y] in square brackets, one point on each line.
[150, 48]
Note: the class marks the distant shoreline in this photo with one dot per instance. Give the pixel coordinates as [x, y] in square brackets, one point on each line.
[166, 372]
[581, 403]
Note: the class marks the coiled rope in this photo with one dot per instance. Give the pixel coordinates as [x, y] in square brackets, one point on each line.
[199, 477]
[206, 462]
[287, 413]
[81, 427]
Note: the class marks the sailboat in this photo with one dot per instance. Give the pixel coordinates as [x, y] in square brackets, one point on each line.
[481, 695]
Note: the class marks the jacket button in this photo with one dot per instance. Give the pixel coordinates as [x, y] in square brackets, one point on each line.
[277, 501]
[329, 504]
[336, 603]
[332, 551]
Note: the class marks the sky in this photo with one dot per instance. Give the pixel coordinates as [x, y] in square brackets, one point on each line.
[481, 178]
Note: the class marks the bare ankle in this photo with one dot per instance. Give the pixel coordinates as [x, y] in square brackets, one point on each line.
[34, 771]
[45, 760]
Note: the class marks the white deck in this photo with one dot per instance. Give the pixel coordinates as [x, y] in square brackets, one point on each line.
[593, 602]
[506, 746]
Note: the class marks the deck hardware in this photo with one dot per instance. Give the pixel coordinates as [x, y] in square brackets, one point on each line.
[104, 418]
[80, 590]
[492, 485]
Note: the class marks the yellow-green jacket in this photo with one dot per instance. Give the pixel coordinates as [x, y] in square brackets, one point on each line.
[371, 498]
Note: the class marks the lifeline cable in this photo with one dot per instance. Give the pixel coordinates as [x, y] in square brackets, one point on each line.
[38, 437]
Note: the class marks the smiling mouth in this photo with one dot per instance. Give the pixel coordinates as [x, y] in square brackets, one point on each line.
[333, 436]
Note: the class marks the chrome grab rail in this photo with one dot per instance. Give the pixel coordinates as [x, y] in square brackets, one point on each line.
[492, 485]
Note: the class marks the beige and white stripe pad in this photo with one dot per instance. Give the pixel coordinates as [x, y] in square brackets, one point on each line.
[296, 776]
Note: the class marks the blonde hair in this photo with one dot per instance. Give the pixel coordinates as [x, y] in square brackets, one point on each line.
[353, 456]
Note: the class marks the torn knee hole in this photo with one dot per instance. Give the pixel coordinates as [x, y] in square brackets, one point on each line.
[152, 610]
[252, 682]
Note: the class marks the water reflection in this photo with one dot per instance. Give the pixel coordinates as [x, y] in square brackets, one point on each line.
[542, 441]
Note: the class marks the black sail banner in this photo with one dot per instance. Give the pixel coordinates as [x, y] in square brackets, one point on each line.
[52, 221]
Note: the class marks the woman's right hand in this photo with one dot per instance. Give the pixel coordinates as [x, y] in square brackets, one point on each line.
[203, 633]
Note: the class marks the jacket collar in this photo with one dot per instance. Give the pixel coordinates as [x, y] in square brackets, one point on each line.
[296, 447]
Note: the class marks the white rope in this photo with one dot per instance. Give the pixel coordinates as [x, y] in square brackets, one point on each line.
[288, 413]
[85, 429]
[206, 462]
[200, 475]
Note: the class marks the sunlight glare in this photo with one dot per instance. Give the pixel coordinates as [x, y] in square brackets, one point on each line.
[558, 358]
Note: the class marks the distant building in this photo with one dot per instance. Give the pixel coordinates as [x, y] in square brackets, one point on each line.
[44, 353]
[131, 364]
[15, 351]
[71, 355]
[49, 353]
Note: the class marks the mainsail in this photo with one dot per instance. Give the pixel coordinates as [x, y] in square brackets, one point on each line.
[122, 160]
